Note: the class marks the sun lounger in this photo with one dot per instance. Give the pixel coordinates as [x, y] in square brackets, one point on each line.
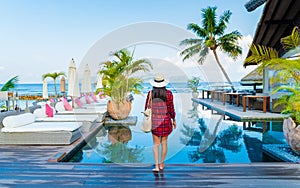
[23, 130]
[42, 133]
[100, 111]
[88, 121]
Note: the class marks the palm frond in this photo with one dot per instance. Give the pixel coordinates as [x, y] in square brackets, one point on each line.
[224, 19]
[260, 54]
[229, 44]
[190, 41]
[292, 41]
[201, 32]
[191, 51]
[53, 75]
[202, 55]
[10, 84]
[209, 19]
[287, 88]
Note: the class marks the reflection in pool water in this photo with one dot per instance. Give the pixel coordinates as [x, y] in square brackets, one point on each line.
[201, 137]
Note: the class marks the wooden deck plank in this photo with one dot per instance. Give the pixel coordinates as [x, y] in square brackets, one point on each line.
[113, 175]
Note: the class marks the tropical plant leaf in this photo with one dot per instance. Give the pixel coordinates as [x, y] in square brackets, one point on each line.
[191, 51]
[292, 41]
[261, 54]
[209, 19]
[224, 19]
[10, 84]
[117, 81]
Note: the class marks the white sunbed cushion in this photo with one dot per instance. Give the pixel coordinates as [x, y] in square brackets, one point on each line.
[40, 113]
[69, 118]
[45, 127]
[59, 107]
[18, 120]
[82, 99]
[42, 103]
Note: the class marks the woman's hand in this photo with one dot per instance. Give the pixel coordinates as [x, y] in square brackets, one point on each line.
[174, 124]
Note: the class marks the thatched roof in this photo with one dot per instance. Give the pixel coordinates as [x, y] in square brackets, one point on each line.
[253, 78]
[277, 21]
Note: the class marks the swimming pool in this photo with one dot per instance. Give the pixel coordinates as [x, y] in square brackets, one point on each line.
[200, 137]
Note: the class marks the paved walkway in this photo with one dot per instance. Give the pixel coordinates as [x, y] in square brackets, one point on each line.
[236, 113]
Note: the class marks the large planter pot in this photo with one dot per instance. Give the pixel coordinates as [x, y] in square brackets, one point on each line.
[118, 111]
[292, 134]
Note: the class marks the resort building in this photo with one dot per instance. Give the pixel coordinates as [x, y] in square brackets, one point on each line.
[277, 21]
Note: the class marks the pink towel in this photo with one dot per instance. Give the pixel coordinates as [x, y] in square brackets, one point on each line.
[87, 99]
[78, 102]
[67, 105]
[94, 97]
[49, 111]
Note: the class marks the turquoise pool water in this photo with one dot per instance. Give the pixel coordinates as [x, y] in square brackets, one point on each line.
[201, 137]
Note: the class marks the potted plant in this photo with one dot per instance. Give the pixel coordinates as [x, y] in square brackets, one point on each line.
[193, 84]
[118, 82]
[287, 72]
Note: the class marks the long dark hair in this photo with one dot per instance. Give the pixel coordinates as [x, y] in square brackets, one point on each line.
[159, 93]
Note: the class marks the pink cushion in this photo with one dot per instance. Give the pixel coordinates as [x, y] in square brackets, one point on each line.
[87, 99]
[67, 105]
[78, 102]
[94, 97]
[49, 111]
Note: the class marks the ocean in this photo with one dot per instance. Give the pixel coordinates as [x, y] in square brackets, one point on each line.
[36, 89]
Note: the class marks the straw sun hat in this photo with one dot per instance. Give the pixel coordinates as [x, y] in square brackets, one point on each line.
[159, 81]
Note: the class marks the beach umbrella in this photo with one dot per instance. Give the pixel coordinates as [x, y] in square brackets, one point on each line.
[99, 81]
[73, 84]
[86, 82]
[45, 90]
[62, 84]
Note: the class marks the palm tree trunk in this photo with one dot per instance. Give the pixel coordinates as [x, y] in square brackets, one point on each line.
[223, 70]
[55, 87]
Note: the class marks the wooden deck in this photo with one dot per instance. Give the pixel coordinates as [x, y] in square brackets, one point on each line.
[34, 174]
[29, 166]
[236, 113]
[35, 166]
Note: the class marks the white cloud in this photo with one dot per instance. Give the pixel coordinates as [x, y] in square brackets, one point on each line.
[235, 69]
[209, 70]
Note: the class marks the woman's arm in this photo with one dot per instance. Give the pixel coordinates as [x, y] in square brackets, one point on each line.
[147, 98]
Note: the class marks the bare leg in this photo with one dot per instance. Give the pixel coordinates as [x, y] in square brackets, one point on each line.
[156, 142]
[164, 149]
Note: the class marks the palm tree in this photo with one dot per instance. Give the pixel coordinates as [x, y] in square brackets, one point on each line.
[117, 80]
[211, 36]
[54, 76]
[10, 84]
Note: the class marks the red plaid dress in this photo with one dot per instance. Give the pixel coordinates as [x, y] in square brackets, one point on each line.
[162, 113]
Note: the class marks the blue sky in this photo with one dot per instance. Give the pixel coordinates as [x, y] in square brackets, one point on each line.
[41, 36]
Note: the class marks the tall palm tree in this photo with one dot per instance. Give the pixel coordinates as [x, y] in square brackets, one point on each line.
[54, 76]
[211, 36]
[10, 84]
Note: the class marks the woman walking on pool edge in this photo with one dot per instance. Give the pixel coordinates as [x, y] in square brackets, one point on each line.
[163, 118]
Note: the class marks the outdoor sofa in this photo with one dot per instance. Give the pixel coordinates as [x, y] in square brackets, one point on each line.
[23, 130]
